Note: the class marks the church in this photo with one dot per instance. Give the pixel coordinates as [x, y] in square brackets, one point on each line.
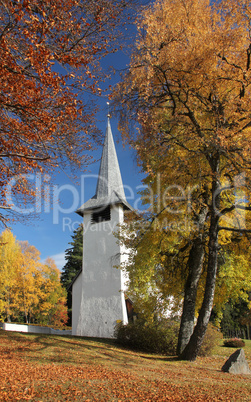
[98, 291]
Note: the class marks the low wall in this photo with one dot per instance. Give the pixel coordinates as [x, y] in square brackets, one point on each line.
[34, 329]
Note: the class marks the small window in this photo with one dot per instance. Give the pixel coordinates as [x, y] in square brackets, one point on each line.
[101, 216]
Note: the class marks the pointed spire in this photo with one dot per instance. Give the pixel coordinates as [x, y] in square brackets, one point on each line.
[109, 188]
[109, 179]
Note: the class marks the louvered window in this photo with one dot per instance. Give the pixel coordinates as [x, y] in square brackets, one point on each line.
[101, 216]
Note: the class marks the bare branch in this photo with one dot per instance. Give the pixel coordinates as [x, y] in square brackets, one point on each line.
[234, 229]
[35, 158]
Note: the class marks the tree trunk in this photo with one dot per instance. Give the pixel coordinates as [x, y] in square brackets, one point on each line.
[195, 263]
[192, 349]
[25, 309]
[8, 307]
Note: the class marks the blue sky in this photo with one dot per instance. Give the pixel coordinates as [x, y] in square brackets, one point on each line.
[51, 230]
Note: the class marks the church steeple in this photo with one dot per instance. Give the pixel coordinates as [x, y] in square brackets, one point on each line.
[109, 179]
[109, 188]
[98, 291]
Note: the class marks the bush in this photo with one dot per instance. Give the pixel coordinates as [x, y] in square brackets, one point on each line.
[234, 343]
[157, 337]
[212, 338]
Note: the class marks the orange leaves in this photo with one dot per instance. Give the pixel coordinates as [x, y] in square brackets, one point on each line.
[49, 368]
[188, 88]
[49, 51]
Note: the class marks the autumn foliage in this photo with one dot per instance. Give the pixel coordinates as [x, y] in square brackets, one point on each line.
[76, 369]
[30, 291]
[50, 53]
[188, 91]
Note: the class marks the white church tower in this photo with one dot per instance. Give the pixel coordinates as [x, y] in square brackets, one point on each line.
[98, 300]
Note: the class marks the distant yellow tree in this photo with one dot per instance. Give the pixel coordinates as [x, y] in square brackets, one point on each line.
[52, 296]
[25, 293]
[10, 253]
[29, 289]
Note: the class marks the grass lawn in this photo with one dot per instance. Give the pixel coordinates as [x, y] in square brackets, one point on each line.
[52, 368]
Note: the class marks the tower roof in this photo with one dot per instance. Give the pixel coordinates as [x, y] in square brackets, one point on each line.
[109, 188]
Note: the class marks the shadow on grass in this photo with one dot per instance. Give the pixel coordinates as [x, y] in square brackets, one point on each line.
[163, 358]
[45, 348]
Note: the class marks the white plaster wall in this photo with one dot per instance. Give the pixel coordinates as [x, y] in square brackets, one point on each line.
[76, 301]
[34, 329]
[102, 299]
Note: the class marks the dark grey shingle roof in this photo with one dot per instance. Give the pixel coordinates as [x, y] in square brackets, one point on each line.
[109, 188]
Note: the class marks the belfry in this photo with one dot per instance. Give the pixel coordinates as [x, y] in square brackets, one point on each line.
[98, 300]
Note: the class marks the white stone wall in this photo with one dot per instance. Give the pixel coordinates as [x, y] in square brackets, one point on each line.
[102, 300]
[76, 302]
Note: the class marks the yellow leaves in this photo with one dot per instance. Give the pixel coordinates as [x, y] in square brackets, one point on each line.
[189, 89]
[225, 237]
[182, 46]
[28, 287]
[234, 276]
